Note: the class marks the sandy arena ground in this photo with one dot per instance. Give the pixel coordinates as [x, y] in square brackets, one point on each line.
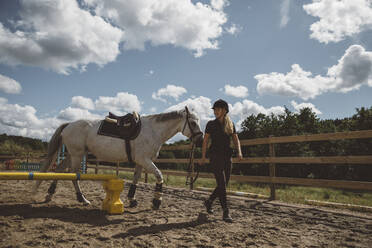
[180, 222]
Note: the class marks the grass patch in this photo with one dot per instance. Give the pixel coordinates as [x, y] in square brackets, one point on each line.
[290, 194]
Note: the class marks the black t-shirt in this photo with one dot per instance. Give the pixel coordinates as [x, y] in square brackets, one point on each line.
[220, 139]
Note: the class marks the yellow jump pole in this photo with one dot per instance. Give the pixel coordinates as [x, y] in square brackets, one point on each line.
[112, 185]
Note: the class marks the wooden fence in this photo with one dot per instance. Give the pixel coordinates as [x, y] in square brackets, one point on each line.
[272, 160]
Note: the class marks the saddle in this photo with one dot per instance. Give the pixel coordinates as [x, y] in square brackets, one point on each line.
[126, 127]
[129, 125]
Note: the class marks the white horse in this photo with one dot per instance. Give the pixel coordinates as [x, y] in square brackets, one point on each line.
[80, 137]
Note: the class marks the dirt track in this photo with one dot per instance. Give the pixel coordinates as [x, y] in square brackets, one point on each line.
[180, 222]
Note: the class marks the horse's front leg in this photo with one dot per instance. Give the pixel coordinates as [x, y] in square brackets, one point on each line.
[76, 163]
[132, 189]
[151, 168]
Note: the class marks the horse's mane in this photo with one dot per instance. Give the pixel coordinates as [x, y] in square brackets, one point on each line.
[166, 116]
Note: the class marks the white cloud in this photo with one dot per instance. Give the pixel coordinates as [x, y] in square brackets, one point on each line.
[169, 91]
[238, 111]
[233, 29]
[299, 106]
[153, 110]
[64, 35]
[9, 85]
[219, 4]
[237, 91]
[353, 70]
[284, 13]
[72, 114]
[339, 19]
[297, 83]
[246, 108]
[16, 115]
[200, 105]
[122, 103]
[241, 110]
[82, 102]
[22, 120]
[182, 23]
[58, 35]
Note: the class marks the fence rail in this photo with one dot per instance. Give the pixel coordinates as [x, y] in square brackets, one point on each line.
[272, 160]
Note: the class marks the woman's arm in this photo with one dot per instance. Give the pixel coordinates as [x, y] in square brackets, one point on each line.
[237, 145]
[204, 147]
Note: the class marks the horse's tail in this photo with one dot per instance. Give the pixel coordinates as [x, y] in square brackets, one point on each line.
[54, 145]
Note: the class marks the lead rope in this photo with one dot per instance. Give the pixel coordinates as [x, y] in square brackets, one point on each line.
[190, 169]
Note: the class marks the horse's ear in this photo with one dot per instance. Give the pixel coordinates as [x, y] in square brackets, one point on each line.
[187, 109]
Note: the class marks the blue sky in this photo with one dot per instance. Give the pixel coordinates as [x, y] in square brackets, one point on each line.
[66, 60]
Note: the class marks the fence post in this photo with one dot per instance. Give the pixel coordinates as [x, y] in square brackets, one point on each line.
[146, 177]
[272, 169]
[117, 168]
[97, 163]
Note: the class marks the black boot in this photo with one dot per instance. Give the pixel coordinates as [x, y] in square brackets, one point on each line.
[226, 216]
[208, 206]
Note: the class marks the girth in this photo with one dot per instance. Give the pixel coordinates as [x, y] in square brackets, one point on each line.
[125, 127]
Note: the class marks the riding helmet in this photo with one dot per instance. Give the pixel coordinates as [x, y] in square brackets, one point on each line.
[221, 104]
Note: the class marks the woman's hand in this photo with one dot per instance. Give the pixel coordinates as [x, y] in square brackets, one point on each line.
[237, 146]
[204, 148]
[240, 156]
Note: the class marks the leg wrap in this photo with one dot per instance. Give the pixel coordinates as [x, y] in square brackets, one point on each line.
[132, 191]
[52, 188]
[156, 203]
[79, 197]
[159, 187]
[158, 191]
[157, 196]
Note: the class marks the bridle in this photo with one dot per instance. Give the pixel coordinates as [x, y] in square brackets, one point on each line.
[187, 122]
[190, 168]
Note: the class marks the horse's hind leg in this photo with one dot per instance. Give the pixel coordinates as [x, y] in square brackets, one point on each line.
[75, 166]
[66, 163]
[51, 191]
[151, 168]
[132, 189]
[79, 195]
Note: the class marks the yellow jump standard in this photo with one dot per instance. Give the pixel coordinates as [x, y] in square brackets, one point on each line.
[112, 185]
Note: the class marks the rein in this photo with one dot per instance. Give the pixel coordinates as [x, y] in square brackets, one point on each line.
[190, 179]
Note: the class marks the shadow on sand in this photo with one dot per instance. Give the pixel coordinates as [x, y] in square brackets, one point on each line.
[93, 217]
[153, 229]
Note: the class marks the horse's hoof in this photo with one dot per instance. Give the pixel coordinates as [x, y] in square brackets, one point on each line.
[81, 198]
[156, 204]
[48, 198]
[133, 203]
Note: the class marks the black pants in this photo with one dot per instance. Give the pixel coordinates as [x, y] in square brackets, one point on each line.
[221, 167]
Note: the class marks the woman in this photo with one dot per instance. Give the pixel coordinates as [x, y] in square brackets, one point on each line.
[220, 130]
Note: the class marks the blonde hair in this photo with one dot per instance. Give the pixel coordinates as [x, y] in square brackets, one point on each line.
[228, 126]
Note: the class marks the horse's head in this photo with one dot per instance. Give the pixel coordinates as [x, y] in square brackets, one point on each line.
[191, 128]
